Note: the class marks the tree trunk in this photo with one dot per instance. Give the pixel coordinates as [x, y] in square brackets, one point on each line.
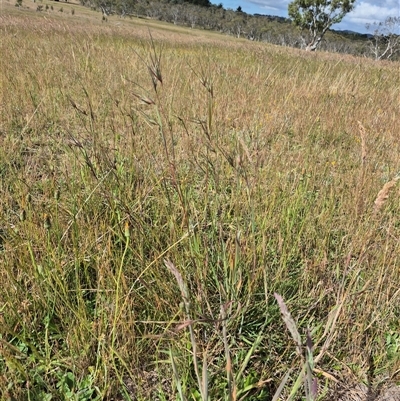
[312, 47]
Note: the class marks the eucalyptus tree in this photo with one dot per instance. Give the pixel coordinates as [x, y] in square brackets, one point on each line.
[315, 17]
[385, 40]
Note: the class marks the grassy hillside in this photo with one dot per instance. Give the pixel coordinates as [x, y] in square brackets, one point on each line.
[159, 185]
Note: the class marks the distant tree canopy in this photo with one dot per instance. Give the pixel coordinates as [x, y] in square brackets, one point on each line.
[202, 3]
[201, 14]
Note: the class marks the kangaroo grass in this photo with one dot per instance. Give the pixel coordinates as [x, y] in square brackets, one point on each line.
[158, 189]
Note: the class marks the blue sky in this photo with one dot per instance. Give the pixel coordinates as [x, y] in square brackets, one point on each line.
[366, 11]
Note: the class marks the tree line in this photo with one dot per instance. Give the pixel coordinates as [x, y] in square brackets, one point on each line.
[202, 14]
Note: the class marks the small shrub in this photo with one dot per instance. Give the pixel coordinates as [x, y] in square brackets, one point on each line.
[61, 10]
[39, 8]
[73, 12]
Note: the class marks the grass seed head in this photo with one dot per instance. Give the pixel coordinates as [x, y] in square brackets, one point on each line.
[363, 145]
[127, 230]
[46, 222]
[22, 215]
[383, 194]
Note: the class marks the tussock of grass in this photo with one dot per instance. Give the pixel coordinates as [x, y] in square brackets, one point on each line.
[238, 164]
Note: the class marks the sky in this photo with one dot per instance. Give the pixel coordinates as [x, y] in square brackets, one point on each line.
[365, 11]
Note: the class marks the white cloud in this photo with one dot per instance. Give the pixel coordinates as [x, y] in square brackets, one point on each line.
[365, 11]
[368, 12]
[271, 4]
[391, 3]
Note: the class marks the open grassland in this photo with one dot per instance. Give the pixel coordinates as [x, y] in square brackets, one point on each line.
[155, 194]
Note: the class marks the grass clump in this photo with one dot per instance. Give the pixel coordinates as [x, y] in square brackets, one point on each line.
[159, 190]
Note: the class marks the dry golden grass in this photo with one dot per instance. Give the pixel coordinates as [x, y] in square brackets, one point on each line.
[238, 162]
[383, 194]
